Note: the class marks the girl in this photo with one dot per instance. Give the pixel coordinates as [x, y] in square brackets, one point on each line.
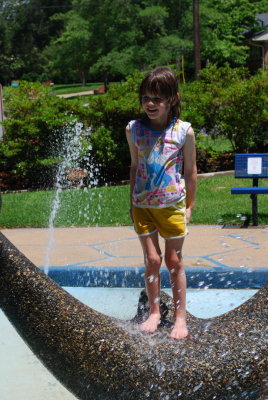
[161, 201]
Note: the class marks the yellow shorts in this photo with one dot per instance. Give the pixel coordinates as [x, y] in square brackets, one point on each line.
[170, 221]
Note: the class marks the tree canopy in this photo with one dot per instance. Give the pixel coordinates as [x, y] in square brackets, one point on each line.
[71, 40]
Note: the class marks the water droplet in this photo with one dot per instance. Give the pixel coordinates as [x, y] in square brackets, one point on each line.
[197, 387]
[151, 278]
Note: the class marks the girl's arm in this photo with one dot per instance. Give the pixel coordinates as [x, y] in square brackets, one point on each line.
[190, 172]
[134, 162]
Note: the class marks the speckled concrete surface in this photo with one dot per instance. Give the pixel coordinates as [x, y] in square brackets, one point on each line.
[98, 357]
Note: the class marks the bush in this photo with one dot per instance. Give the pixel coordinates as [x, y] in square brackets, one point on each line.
[107, 117]
[228, 102]
[33, 134]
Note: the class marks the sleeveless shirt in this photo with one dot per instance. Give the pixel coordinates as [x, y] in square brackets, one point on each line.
[159, 181]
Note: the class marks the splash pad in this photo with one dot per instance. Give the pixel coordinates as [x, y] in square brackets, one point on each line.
[96, 356]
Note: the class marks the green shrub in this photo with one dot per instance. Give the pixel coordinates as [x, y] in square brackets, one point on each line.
[107, 117]
[228, 102]
[33, 133]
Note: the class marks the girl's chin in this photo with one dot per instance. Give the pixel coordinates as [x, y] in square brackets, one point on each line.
[152, 114]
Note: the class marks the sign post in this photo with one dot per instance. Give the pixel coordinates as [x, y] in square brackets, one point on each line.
[1, 113]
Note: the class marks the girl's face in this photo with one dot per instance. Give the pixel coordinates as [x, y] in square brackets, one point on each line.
[156, 107]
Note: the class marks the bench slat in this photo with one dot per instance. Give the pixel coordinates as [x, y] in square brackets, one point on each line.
[250, 190]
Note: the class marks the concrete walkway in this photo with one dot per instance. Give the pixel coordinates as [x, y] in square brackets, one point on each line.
[69, 95]
[206, 246]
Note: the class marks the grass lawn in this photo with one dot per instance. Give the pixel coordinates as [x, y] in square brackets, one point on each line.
[74, 87]
[107, 206]
[216, 205]
[219, 144]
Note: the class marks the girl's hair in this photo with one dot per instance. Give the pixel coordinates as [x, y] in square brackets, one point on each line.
[163, 82]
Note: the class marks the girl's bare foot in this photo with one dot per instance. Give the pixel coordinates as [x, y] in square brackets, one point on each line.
[151, 323]
[179, 330]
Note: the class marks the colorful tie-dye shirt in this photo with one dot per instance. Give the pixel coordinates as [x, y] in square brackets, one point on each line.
[158, 180]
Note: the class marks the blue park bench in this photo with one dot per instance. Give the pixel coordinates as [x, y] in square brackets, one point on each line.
[255, 166]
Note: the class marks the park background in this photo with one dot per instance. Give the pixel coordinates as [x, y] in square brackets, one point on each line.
[50, 48]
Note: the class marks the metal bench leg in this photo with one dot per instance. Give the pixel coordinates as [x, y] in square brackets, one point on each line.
[254, 209]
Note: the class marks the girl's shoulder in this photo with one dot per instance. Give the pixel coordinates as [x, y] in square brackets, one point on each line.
[133, 124]
[179, 131]
[138, 126]
[137, 123]
[135, 129]
[182, 125]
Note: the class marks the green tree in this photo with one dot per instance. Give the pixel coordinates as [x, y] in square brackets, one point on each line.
[126, 35]
[70, 52]
[29, 28]
[4, 49]
[117, 37]
[223, 27]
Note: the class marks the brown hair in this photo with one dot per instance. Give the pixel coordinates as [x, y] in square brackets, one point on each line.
[162, 81]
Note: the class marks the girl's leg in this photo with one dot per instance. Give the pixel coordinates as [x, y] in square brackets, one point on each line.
[174, 263]
[152, 259]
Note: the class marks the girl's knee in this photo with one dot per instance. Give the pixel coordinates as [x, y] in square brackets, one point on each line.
[174, 263]
[153, 262]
